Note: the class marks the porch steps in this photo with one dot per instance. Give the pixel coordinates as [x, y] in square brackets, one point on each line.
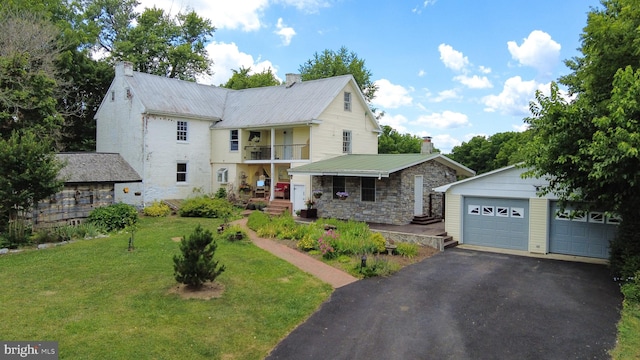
[173, 204]
[448, 242]
[425, 220]
[278, 207]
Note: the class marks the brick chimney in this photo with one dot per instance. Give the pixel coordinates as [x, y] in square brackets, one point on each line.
[427, 146]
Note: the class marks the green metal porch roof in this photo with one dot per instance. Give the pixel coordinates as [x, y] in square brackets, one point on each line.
[374, 165]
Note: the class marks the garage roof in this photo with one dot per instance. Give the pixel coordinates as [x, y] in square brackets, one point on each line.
[374, 165]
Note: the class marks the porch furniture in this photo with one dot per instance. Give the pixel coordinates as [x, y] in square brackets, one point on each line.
[281, 190]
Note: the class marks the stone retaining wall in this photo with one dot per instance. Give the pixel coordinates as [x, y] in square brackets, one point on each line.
[436, 242]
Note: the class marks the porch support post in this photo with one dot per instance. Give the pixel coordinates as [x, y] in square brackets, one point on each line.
[273, 166]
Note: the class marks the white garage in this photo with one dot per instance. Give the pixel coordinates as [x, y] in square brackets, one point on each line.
[501, 210]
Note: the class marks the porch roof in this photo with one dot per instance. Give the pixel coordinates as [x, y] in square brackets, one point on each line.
[374, 165]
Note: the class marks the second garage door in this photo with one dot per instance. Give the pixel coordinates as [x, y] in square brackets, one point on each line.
[500, 223]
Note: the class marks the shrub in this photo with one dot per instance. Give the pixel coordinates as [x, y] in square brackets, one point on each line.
[221, 193]
[234, 233]
[377, 267]
[88, 230]
[307, 243]
[624, 256]
[157, 209]
[631, 290]
[378, 241]
[113, 217]
[325, 244]
[407, 249]
[195, 265]
[204, 206]
[257, 219]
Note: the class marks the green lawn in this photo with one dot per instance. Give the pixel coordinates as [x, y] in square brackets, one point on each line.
[628, 342]
[99, 300]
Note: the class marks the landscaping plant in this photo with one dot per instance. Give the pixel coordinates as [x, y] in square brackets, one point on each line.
[196, 264]
[113, 217]
[157, 209]
[204, 206]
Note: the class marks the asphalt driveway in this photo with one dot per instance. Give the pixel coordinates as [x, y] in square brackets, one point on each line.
[463, 304]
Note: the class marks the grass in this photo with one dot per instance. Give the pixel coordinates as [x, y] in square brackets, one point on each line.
[628, 341]
[95, 298]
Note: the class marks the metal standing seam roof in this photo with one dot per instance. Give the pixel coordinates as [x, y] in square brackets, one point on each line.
[301, 103]
[96, 167]
[281, 105]
[373, 165]
[166, 96]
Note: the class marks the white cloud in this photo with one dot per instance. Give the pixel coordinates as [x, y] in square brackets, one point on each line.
[397, 122]
[452, 58]
[244, 15]
[446, 95]
[514, 98]
[474, 82]
[285, 32]
[484, 69]
[421, 73]
[425, 3]
[520, 128]
[538, 51]
[227, 57]
[445, 120]
[308, 6]
[391, 96]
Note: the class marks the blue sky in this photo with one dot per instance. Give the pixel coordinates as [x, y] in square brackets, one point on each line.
[450, 69]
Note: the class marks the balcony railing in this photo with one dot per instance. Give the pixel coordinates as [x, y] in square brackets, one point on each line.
[281, 152]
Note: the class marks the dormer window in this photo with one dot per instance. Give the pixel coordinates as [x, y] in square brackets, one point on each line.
[347, 101]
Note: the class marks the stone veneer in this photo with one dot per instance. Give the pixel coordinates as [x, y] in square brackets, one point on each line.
[394, 195]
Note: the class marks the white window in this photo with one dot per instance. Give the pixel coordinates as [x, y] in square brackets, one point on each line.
[347, 101]
[181, 172]
[502, 211]
[488, 210]
[596, 217]
[614, 219]
[563, 215]
[474, 209]
[580, 216]
[223, 175]
[182, 131]
[517, 213]
[346, 142]
[234, 142]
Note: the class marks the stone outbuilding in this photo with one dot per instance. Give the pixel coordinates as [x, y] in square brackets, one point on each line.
[90, 181]
[382, 188]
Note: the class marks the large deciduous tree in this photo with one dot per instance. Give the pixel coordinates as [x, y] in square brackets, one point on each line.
[244, 79]
[392, 142]
[484, 154]
[590, 145]
[333, 63]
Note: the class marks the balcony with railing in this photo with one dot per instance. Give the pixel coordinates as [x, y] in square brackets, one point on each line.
[280, 152]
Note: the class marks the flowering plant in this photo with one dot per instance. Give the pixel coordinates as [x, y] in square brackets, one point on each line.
[325, 244]
[317, 194]
[310, 203]
[342, 194]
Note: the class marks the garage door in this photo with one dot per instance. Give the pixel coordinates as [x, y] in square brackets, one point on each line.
[501, 223]
[581, 234]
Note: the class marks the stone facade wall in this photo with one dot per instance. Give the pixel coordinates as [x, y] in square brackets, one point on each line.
[394, 196]
[72, 205]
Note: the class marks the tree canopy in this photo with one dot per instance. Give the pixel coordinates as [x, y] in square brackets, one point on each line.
[589, 145]
[243, 79]
[392, 142]
[334, 63]
[484, 154]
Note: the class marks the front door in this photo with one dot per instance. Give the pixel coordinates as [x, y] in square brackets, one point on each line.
[417, 195]
[298, 196]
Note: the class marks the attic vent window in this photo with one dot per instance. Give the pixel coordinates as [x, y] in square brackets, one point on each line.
[182, 131]
[347, 101]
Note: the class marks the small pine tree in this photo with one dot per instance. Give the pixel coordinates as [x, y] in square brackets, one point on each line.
[196, 265]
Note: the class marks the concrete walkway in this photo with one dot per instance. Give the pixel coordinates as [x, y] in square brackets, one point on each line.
[306, 263]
